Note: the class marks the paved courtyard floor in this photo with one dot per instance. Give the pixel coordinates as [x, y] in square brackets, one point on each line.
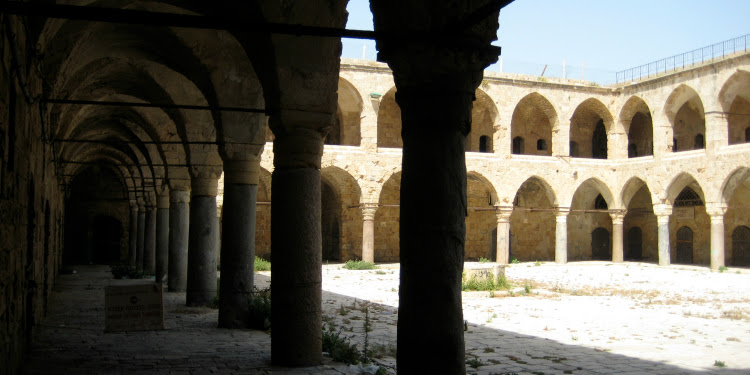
[579, 318]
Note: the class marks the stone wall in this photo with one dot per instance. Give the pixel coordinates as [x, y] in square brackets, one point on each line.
[31, 202]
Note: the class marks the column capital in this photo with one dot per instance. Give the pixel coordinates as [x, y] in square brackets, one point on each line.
[162, 201]
[179, 196]
[297, 148]
[618, 216]
[716, 210]
[205, 182]
[502, 213]
[662, 210]
[562, 212]
[368, 210]
[134, 205]
[243, 172]
[141, 206]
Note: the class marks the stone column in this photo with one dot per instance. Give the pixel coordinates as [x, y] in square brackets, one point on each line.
[717, 131]
[203, 241]
[133, 232]
[141, 235]
[179, 220]
[296, 241]
[618, 217]
[162, 237]
[662, 212]
[238, 242]
[149, 243]
[503, 233]
[561, 235]
[617, 144]
[716, 211]
[368, 231]
[662, 136]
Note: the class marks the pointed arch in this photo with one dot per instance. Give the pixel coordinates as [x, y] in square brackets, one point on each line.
[534, 118]
[589, 126]
[346, 130]
[389, 121]
[636, 120]
[483, 116]
[480, 219]
[684, 110]
[734, 98]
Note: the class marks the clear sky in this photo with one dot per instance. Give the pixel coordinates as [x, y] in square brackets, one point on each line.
[596, 38]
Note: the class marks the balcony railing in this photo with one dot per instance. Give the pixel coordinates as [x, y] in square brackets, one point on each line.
[673, 63]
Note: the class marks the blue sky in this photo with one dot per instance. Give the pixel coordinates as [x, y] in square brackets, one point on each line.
[596, 38]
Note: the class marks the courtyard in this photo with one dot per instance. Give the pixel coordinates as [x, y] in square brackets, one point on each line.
[580, 318]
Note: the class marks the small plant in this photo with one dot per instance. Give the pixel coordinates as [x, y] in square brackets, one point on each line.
[125, 271]
[359, 265]
[380, 272]
[527, 286]
[262, 264]
[484, 260]
[722, 269]
[343, 311]
[720, 364]
[340, 349]
[475, 363]
[485, 284]
[382, 350]
[514, 261]
[260, 309]
[537, 263]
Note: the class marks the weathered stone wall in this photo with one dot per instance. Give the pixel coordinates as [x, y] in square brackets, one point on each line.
[30, 202]
[480, 221]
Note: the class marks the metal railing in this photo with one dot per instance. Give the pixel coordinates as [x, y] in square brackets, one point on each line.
[708, 53]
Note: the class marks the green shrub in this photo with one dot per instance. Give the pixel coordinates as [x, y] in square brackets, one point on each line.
[359, 265]
[485, 284]
[340, 349]
[260, 309]
[262, 264]
[514, 261]
[484, 260]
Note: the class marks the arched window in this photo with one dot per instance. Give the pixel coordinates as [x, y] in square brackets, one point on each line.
[632, 150]
[518, 145]
[541, 145]
[600, 203]
[599, 141]
[484, 144]
[573, 149]
[698, 142]
[688, 198]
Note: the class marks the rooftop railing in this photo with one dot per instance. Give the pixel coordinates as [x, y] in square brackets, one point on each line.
[708, 53]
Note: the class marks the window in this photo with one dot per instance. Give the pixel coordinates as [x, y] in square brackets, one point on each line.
[687, 198]
[541, 145]
[484, 144]
[600, 203]
[518, 145]
[698, 142]
[573, 149]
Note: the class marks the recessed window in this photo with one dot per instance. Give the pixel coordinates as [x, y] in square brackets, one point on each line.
[698, 142]
[600, 203]
[518, 145]
[541, 145]
[484, 144]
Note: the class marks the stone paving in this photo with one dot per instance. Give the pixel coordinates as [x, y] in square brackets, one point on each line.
[579, 318]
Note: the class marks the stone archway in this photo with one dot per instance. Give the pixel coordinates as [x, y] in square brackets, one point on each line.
[684, 249]
[601, 245]
[741, 246]
[532, 223]
[533, 120]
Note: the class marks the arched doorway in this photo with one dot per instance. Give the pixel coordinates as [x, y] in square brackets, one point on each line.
[684, 245]
[601, 246]
[599, 141]
[635, 244]
[741, 246]
[330, 222]
[105, 237]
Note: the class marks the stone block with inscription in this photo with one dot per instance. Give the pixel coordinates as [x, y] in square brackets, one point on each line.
[134, 307]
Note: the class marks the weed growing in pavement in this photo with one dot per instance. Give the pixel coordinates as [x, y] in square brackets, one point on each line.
[383, 350]
[537, 263]
[514, 261]
[484, 260]
[343, 311]
[260, 309]
[475, 363]
[359, 265]
[722, 269]
[720, 364]
[485, 284]
[380, 272]
[735, 314]
[262, 264]
[339, 347]
[487, 349]
[527, 286]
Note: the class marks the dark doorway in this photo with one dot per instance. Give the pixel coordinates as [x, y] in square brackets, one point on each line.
[601, 248]
[518, 145]
[485, 144]
[684, 246]
[635, 244]
[599, 141]
[330, 222]
[493, 246]
[105, 240]
[741, 246]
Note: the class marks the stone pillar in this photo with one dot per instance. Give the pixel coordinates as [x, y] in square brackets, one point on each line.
[561, 235]
[368, 231]
[179, 220]
[717, 131]
[162, 237]
[149, 243]
[503, 233]
[140, 241]
[618, 217]
[133, 232]
[238, 242]
[662, 212]
[662, 136]
[296, 242]
[716, 211]
[617, 144]
[203, 241]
